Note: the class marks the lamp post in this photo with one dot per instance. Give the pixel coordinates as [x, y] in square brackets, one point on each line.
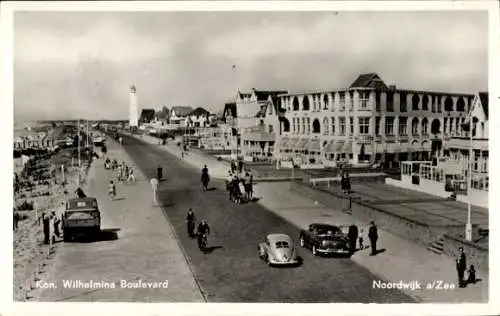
[468, 226]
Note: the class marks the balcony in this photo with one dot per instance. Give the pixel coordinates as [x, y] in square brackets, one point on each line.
[403, 138]
[464, 143]
[390, 138]
[377, 138]
[364, 139]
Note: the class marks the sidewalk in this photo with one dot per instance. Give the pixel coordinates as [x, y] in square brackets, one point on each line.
[401, 260]
[137, 244]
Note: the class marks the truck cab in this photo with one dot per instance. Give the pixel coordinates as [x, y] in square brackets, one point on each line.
[81, 217]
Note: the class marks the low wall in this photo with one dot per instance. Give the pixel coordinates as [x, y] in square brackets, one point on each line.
[476, 255]
[403, 227]
[478, 198]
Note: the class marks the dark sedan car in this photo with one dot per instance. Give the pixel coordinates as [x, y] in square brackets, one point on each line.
[324, 239]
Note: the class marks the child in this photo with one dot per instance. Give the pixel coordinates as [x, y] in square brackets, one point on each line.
[361, 247]
[472, 274]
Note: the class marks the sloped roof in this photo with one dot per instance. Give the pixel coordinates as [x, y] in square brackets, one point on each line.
[244, 95]
[147, 114]
[263, 95]
[199, 112]
[370, 80]
[229, 109]
[483, 97]
[181, 110]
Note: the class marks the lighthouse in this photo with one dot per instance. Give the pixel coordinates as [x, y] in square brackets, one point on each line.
[133, 118]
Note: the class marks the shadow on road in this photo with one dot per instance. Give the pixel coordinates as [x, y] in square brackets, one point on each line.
[210, 249]
[107, 234]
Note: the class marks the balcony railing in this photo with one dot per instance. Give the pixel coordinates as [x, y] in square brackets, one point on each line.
[364, 139]
[390, 138]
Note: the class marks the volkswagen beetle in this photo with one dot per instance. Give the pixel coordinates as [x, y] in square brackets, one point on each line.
[278, 249]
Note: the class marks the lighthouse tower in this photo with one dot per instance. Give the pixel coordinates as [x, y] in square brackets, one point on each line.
[133, 118]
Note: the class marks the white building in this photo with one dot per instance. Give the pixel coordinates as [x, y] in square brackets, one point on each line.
[179, 115]
[368, 122]
[133, 116]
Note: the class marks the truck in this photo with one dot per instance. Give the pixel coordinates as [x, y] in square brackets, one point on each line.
[81, 217]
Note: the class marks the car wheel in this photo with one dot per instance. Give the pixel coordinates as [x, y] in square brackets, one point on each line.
[314, 251]
[302, 243]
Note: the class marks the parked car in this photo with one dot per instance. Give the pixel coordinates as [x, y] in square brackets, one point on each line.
[324, 239]
[278, 249]
[81, 217]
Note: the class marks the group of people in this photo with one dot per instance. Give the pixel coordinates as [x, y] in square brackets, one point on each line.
[461, 264]
[354, 236]
[122, 172]
[202, 231]
[239, 185]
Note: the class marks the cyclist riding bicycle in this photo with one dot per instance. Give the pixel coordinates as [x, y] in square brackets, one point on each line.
[203, 232]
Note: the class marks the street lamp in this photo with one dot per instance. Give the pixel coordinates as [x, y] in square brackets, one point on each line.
[468, 226]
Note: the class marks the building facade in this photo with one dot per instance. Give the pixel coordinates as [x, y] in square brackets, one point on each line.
[368, 123]
[257, 123]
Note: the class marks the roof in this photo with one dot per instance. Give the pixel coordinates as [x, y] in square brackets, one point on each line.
[181, 110]
[483, 97]
[147, 114]
[199, 112]
[370, 80]
[88, 202]
[244, 95]
[278, 237]
[324, 226]
[263, 95]
[229, 109]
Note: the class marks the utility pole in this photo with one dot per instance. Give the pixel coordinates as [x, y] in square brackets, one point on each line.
[468, 227]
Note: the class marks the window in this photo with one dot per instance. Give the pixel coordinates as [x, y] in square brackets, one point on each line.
[378, 105]
[295, 103]
[364, 125]
[303, 130]
[414, 126]
[305, 103]
[270, 128]
[270, 112]
[364, 98]
[333, 125]
[308, 125]
[282, 244]
[402, 102]
[293, 125]
[403, 126]
[445, 125]
[342, 126]
[390, 101]
[326, 102]
[425, 124]
[325, 126]
[377, 126]
[351, 99]
[389, 126]
[425, 103]
[351, 125]
[342, 101]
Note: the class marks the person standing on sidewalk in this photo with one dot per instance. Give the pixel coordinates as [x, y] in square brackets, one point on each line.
[373, 236]
[461, 266]
[46, 228]
[352, 234]
[154, 187]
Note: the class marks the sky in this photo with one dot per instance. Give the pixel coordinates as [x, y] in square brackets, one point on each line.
[81, 64]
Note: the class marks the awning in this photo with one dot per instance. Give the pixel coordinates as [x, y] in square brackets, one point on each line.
[291, 143]
[368, 148]
[426, 145]
[329, 147]
[314, 145]
[302, 144]
[284, 142]
[347, 148]
[337, 147]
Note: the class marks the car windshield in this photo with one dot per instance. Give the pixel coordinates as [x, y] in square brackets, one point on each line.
[282, 244]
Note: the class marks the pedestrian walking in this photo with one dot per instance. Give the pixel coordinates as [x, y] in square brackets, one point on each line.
[17, 218]
[112, 190]
[191, 222]
[131, 177]
[361, 246]
[472, 274]
[373, 236]
[154, 187]
[159, 173]
[461, 264]
[46, 228]
[56, 223]
[352, 234]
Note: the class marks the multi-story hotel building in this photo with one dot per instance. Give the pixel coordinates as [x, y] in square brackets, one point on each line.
[368, 122]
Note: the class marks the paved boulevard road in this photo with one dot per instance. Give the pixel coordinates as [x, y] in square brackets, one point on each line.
[232, 272]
